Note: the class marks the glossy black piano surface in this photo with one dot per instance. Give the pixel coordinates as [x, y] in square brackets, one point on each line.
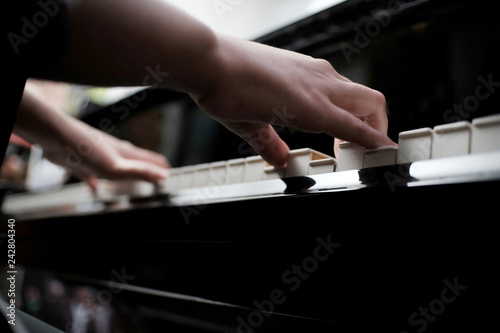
[344, 260]
[385, 257]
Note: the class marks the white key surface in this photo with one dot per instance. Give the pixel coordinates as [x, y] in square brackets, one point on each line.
[485, 134]
[350, 157]
[451, 139]
[414, 145]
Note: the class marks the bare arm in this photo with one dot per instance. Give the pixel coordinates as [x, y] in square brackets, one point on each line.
[239, 83]
[88, 152]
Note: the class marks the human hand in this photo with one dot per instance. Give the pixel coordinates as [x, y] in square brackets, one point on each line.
[239, 83]
[88, 152]
[257, 80]
[94, 154]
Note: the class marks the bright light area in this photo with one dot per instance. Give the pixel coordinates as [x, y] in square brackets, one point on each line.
[250, 19]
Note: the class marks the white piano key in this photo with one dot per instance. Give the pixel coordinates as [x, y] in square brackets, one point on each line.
[70, 194]
[218, 173]
[106, 190]
[380, 156]
[324, 165]
[350, 157]
[414, 145]
[172, 183]
[271, 172]
[186, 177]
[236, 170]
[135, 188]
[254, 166]
[451, 140]
[201, 175]
[485, 134]
[298, 162]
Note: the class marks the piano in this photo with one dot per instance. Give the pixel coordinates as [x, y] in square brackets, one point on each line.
[380, 240]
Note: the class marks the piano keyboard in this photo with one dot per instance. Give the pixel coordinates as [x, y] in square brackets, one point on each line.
[455, 152]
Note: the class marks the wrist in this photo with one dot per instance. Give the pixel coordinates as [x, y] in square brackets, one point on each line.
[223, 71]
[209, 68]
[246, 83]
[38, 122]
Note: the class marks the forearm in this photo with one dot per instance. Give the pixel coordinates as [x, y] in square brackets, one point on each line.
[85, 150]
[114, 42]
[244, 85]
[37, 122]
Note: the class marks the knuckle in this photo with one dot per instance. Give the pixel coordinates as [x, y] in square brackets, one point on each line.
[379, 98]
[124, 144]
[323, 62]
[163, 160]
[325, 66]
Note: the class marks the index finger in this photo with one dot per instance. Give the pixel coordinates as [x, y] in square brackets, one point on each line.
[344, 126]
[363, 102]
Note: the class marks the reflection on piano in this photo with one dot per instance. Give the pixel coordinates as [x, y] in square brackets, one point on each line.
[386, 240]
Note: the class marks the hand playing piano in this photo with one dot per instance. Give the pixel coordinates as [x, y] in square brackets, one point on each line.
[88, 152]
[246, 86]
[262, 85]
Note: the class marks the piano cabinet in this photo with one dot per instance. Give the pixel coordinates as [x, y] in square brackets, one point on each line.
[377, 259]
[380, 258]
